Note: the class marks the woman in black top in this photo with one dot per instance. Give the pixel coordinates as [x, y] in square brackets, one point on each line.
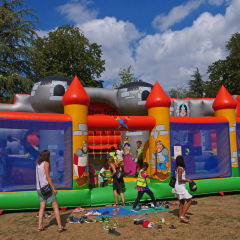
[118, 184]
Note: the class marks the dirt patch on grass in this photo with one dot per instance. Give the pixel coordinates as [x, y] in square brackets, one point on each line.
[214, 217]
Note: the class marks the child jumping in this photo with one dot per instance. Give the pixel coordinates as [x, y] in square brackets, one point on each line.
[92, 174]
[143, 187]
[102, 175]
[180, 189]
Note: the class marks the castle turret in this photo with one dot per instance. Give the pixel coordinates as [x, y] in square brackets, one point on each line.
[224, 106]
[158, 104]
[76, 102]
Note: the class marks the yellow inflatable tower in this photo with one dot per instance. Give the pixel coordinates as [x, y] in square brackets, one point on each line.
[224, 106]
[158, 104]
[76, 102]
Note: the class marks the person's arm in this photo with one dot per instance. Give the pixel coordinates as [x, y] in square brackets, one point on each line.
[180, 176]
[136, 154]
[46, 168]
[101, 174]
[114, 169]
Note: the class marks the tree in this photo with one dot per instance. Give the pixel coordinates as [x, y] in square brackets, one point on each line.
[125, 77]
[179, 92]
[17, 24]
[196, 85]
[225, 72]
[67, 52]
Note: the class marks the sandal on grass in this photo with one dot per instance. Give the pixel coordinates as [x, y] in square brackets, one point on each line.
[183, 219]
[167, 222]
[42, 229]
[62, 229]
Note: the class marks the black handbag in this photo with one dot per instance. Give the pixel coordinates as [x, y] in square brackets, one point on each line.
[46, 190]
[119, 174]
[172, 181]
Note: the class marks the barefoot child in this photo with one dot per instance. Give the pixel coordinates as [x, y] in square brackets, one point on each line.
[143, 187]
[180, 189]
[102, 175]
[92, 174]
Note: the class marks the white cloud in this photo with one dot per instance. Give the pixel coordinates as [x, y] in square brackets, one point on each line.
[42, 33]
[177, 14]
[77, 12]
[218, 2]
[170, 57]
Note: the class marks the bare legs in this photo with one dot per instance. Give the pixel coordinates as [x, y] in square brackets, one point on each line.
[40, 215]
[57, 213]
[115, 194]
[182, 211]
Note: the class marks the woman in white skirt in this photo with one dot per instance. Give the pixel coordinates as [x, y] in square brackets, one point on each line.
[180, 189]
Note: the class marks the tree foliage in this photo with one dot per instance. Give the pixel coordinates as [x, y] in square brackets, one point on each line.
[179, 92]
[125, 77]
[196, 85]
[17, 30]
[225, 72]
[67, 52]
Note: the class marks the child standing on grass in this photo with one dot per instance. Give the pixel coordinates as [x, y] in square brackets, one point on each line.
[180, 189]
[102, 175]
[143, 187]
[92, 174]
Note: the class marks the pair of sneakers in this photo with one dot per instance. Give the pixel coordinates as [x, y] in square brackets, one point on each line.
[137, 210]
[115, 225]
[78, 209]
[72, 219]
[104, 219]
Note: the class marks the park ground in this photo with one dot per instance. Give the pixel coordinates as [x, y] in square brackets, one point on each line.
[214, 217]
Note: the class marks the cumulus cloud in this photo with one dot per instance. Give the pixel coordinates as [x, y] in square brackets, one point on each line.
[170, 57]
[77, 11]
[218, 2]
[163, 22]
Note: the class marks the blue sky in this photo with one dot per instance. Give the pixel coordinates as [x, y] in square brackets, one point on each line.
[162, 40]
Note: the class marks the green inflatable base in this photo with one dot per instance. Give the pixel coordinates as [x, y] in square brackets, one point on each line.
[104, 196]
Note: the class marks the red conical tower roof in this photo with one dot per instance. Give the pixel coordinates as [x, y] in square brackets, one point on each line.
[224, 100]
[76, 94]
[158, 98]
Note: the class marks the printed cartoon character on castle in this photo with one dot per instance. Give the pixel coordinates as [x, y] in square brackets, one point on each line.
[163, 161]
[122, 122]
[80, 164]
[183, 110]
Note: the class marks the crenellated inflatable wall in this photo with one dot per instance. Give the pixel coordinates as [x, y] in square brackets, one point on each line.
[80, 125]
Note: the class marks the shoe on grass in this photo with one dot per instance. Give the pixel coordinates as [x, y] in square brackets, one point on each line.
[114, 232]
[78, 209]
[101, 220]
[106, 226]
[90, 220]
[134, 210]
[73, 220]
[115, 224]
[106, 219]
[89, 213]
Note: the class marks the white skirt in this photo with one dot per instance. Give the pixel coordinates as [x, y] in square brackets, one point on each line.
[185, 195]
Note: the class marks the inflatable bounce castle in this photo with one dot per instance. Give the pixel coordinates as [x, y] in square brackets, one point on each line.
[79, 126]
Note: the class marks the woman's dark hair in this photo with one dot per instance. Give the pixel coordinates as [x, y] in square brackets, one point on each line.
[180, 161]
[44, 156]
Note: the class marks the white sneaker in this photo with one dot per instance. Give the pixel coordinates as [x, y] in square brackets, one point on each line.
[97, 213]
[163, 220]
[89, 213]
[144, 208]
